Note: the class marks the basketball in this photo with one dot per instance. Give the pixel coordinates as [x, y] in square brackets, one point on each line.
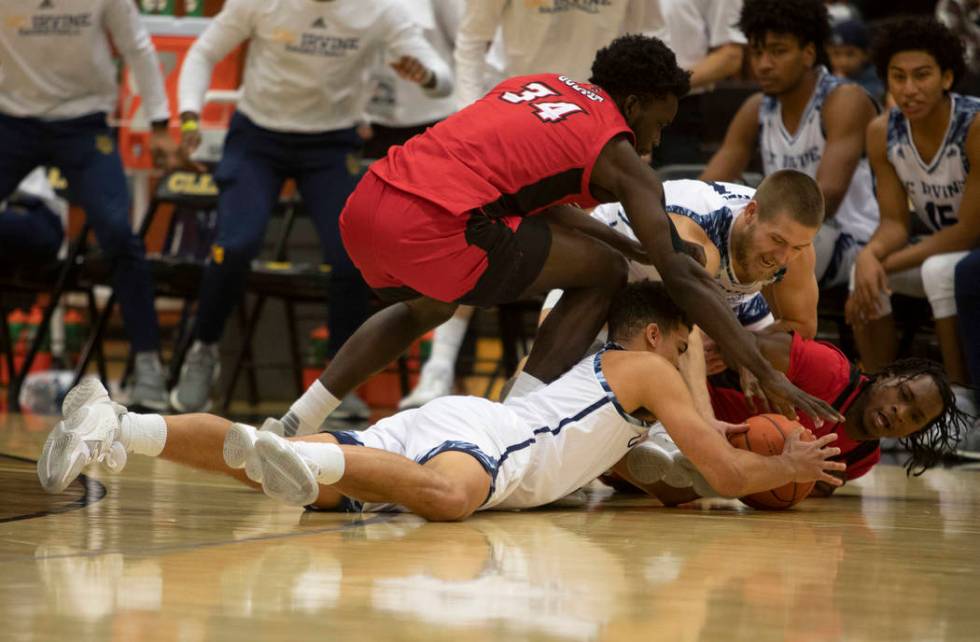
[766, 436]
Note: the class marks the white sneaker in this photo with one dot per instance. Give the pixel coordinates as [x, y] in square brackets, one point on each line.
[672, 472]
[239, 451]
[286, 475]
[88, 433]
[239, 447]
[648, 462]
[434, 382]
[698, 483]
[89, 390]
[679, 475]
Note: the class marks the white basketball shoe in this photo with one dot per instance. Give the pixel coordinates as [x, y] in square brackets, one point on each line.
[88, 432]
[287, 475]
[658, 459]
[239, 447]
[434, 382]
[648, 462]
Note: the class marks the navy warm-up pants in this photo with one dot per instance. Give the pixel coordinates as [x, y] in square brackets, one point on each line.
[84, 149]
[968, 310]
[254, 165]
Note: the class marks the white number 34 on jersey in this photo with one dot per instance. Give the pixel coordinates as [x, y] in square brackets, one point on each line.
[550, 111]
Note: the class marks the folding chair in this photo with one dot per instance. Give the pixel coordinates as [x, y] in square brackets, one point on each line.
[293, 283]
[55, 279]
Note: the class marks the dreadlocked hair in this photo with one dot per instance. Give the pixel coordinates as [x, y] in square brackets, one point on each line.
[937, 439]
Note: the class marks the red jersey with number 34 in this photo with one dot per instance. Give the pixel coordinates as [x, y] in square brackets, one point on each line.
[528, 144]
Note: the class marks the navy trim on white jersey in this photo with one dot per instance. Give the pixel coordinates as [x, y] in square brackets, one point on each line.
[489, 463]
[588, 410]
[936, 186]
[597, 364]
[345, 437]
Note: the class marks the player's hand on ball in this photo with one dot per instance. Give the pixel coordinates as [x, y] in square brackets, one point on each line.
[726, 429]
[412, 70]
[810, 459]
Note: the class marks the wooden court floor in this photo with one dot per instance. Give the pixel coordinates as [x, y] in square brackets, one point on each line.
[163, 553]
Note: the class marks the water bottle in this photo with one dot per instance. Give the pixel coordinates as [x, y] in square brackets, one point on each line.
[43, 392]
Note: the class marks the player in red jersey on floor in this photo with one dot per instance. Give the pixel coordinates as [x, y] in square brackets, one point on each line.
[910, 399]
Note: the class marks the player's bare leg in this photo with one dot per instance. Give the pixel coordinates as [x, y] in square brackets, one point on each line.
[449, 487]
[877, 342]
[591, 273]
[948, 334]
[382, 339]
[196, 440]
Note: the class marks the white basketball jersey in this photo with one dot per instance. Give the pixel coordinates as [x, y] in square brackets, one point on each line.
[576, 430]
[935, 188]
[714, 207]
[802, 151]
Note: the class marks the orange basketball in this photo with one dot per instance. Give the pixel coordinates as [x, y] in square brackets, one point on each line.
[766, 436]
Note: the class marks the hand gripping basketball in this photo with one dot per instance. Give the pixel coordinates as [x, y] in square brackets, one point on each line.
[773, 435]
[810, 458]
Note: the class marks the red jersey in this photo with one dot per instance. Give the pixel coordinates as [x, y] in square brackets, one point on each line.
[823, 371]
[527, 145]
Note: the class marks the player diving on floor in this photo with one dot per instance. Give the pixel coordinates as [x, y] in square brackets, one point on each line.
[456, 455]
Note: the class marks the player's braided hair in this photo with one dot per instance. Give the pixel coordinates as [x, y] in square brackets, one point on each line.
[921, 33]
[807, 20]
[639, 65]
[640, 303]
[928, 446]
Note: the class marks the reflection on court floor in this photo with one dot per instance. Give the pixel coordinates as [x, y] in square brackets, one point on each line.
[171, 554]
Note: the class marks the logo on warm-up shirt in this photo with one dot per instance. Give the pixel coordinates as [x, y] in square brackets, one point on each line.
[561, 6]
[330, 46]
[318, 24]
[63, 24]
[46, 4]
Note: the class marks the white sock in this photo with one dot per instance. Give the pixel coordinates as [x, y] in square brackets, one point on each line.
[447, 339]
[143, 434]
[310, 410]
[329, 459]
[525, 384]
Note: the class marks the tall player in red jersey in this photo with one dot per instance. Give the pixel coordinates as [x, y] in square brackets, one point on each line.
[911, 399]
[460, 214]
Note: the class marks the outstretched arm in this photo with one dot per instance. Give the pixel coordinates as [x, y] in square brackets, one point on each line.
[619, 173]
[657, 387]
